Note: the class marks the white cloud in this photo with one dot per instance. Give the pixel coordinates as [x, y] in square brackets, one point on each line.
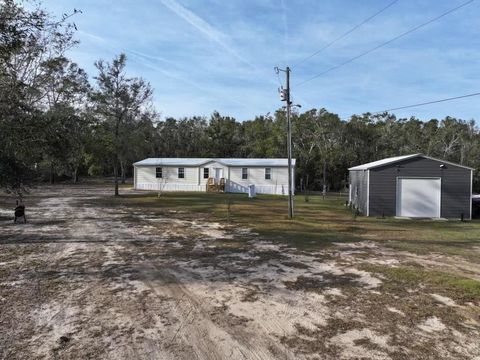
[205, 28]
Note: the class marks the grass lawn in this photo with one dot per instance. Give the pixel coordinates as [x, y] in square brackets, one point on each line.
[317, 223]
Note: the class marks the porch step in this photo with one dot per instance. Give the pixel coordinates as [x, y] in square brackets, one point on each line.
[213, 186]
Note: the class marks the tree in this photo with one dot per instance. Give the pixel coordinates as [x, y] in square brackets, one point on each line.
[326, 135]
[28, 39]
[132, 141]
[224, 136]
[119, 102]
[305, 146]
[66, 90]
[66, 132]
[257, 138]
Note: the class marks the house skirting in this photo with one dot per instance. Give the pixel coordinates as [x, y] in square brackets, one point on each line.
[229, 187]
[170, 187]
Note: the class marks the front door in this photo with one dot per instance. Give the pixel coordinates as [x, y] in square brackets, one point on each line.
[218, 174]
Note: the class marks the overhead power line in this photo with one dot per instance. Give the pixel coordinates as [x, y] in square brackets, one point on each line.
[428, 103]
[387, 42]
[346, 33]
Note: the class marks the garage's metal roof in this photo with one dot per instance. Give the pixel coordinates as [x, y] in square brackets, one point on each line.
[202, 161]
[396, 159]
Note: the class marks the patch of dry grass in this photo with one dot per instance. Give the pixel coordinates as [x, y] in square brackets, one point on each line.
[457, 287]
[318, 223]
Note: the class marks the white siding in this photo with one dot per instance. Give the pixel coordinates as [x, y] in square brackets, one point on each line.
[278, 184]
[146, 179]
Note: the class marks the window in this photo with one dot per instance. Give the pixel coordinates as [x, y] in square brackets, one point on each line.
[268, 173]
[181, 173]
[244, 173]
[206, 173]
[158, 173]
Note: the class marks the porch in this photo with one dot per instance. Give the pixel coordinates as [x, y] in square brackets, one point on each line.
[215, 185]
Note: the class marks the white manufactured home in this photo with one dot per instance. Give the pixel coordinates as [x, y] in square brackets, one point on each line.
[269, 176]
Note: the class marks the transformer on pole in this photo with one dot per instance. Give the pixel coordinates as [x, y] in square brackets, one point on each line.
[285, 96]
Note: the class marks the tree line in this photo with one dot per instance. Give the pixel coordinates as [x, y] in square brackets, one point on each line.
[56, 123]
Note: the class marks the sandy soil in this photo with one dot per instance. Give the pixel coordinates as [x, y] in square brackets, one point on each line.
[80, 281]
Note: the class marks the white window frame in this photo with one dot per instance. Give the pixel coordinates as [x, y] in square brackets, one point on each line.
[181, 171]
[161, 173]
[245, 175]
[268, 171]
[206, 171]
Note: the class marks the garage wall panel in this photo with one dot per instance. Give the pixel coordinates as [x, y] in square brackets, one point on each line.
[358, 181]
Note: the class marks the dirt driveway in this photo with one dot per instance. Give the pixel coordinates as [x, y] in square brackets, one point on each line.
[81, 281]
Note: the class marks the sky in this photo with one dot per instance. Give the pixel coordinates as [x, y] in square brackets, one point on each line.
[202, 56]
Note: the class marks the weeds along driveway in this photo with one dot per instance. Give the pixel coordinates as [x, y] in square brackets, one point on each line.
[85, 280]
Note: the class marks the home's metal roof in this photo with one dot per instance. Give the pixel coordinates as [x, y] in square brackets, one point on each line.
[202, 161]
[395, 159]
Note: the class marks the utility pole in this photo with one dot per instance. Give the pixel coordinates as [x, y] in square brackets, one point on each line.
[285, 96]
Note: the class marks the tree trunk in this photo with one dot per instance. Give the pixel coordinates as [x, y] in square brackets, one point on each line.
[307, 198]
[462, 153]
[324, 192]
[115, 164]
[115, 174]
[52, 174]
[122, 171]
[75, 175]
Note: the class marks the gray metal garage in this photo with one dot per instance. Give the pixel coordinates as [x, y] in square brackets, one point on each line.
[415, 186]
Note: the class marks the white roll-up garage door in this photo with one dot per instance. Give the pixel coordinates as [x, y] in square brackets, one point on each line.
[418, 197]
